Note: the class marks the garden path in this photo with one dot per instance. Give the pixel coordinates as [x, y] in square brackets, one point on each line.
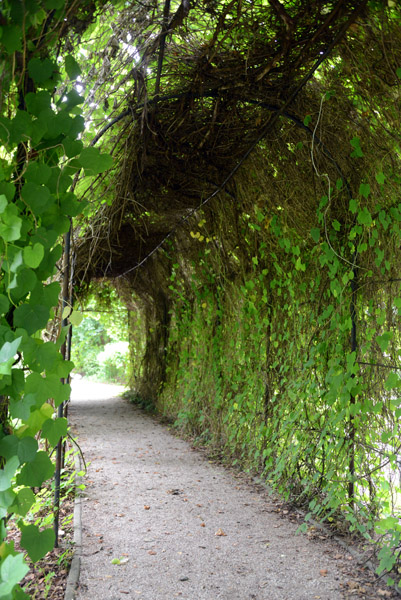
[180, 526]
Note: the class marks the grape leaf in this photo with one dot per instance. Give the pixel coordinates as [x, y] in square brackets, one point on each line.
[94, 162]
[22, 502]
[72, 67]
[41, 70]
[9, 349]
[54, 429]
[37, 543]
[8, 472]
[31, 317]
[33, 255]
[34, 473]
[12, 570]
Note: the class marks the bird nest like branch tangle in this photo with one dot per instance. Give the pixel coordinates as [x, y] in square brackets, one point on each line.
[196, 90]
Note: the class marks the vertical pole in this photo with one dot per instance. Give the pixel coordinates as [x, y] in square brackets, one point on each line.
[60, 409]
[351, 465]
[68, 348]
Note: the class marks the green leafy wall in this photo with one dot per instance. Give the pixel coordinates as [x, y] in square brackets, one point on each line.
[283, 345]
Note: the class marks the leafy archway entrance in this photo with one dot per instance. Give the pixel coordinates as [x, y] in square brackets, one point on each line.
[244, 200]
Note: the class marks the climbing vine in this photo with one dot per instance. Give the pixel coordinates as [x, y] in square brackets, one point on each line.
[292, 365]
[41, 126]
[252, 221]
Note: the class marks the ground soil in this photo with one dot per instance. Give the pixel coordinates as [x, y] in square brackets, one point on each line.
[160, 521]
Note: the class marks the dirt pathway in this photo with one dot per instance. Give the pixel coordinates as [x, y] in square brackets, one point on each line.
[180, 526]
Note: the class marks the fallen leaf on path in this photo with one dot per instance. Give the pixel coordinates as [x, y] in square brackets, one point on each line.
[323, 572]
[146, 507]
[203, 525]
[353, 585]
[152, 552]
[384, 593]
[220, 532]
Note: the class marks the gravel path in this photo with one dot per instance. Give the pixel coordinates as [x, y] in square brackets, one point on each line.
[180, 526]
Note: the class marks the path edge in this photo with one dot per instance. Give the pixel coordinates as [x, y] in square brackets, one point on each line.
[352, 551]
[75, 567]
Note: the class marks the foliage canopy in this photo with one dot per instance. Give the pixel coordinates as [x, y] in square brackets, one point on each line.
[234, 169]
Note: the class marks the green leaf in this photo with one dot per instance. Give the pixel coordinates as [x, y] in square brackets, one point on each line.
[8, 472]
[10, 229]
[299, 265]
[76, 317]
[41, 70]
[9, 350]
[54, 4]
[47, 355]
[54, 429]
[12, 570]
[12, 38]
[45, 387]
[21, 408]
[22, 502]
[94, 162]
[25, 449]
[37, 543]
[72, 147]
[6, 500]
[315, 233]
[34, 473]
[33, 255]
[36, 196]
[38, 102]
[336, 225]
[31, 317]
[72, 67]
[398, 71]
[392, 381]
[38, 173]
[355, 143]
[364, 190]
[4, 304]
[73, 99]
[8, 189]
[384, 340]
[364, 217]
[26, 281]
[380, 177]
[307, 120]
[14, 261]
[71, 206]
[3, 203]
[38, 417]
[19, 594]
